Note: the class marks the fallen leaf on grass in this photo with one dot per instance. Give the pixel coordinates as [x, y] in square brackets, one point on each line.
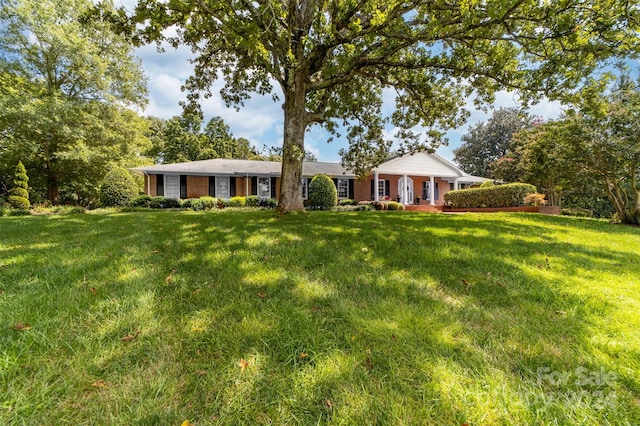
[328, 404]
[170, 280]
[21, 327]
[561, 312]
[129, 337]
[394, 338]
[467, 285]
[93, 290]
[243, 365]
[197, 291]
[201, 373]
[100, 384]
[304, 355]
[262, 295]
[187, 423]
[369, 364]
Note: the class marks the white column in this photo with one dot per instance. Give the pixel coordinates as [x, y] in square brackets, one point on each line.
[432, 191]
[456, 184]
[376, 191]
[405, 192]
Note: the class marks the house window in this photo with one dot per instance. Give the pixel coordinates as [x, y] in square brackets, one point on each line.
[343, 188]
[305, 188]
[160, 185]
[264, 187]
[426, 191]
[383, 189]
[212, 186]
[183, 186]
[222, 187]
[451, 186]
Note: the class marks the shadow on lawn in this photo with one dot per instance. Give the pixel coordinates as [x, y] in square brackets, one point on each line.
[360, 318]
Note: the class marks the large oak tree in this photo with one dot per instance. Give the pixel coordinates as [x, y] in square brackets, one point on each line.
[334, 59]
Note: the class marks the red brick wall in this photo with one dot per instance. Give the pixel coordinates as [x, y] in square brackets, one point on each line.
[197, 186]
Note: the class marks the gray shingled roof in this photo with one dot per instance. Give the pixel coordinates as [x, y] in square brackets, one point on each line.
[221, 166]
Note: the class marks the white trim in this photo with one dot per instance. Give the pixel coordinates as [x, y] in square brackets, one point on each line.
[432, 191]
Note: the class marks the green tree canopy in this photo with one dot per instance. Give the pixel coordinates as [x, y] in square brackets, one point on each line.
[67, 80]
[606, 141]
[486, 142]
[334, 59]
[183, 138]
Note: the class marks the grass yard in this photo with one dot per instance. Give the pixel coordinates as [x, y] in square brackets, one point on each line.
[325, 318]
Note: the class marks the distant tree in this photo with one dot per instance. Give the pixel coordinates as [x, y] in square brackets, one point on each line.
[183, 138]
[19, 194]
[606, 142]
[274, 153]
[487, 142]
[537, 156]
[67, 79]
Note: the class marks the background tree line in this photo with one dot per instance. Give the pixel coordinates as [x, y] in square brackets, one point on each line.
[588, 158]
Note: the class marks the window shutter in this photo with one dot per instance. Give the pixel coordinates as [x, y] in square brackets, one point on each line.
[350, 194]
[160, 185]
[254, 185]
[273, 187]
[183, 186]
[387, 191]
[212, 186]
[437, 193]
[232, 186]
[373, 188]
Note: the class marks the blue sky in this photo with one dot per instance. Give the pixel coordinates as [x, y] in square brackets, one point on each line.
[261, 120]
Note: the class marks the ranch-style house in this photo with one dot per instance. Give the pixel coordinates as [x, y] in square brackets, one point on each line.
[412, 179]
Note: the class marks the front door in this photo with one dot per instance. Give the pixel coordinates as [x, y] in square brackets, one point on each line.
[409, 186]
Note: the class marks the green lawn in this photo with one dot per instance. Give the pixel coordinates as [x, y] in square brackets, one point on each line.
[337, 318]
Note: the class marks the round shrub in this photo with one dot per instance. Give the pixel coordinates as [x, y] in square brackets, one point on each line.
[19, 194]
[119, 188]
[193, 204]
[140, 201]
[394, 205]
[160, 202]
[323, 193]
[237, 202]
[253, 201]
[209, 203]
[487, 184]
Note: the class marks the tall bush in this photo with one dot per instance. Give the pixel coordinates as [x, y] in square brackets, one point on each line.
[19, 194]
[509, 195]
[119, 188]
[322, 192]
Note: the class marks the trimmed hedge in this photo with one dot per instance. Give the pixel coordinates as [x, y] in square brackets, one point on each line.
[509, 195]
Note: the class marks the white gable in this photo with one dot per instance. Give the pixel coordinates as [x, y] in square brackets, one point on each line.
[420, 164]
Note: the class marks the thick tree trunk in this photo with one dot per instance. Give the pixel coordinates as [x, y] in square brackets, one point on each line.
[52, 189]
[295, 125]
